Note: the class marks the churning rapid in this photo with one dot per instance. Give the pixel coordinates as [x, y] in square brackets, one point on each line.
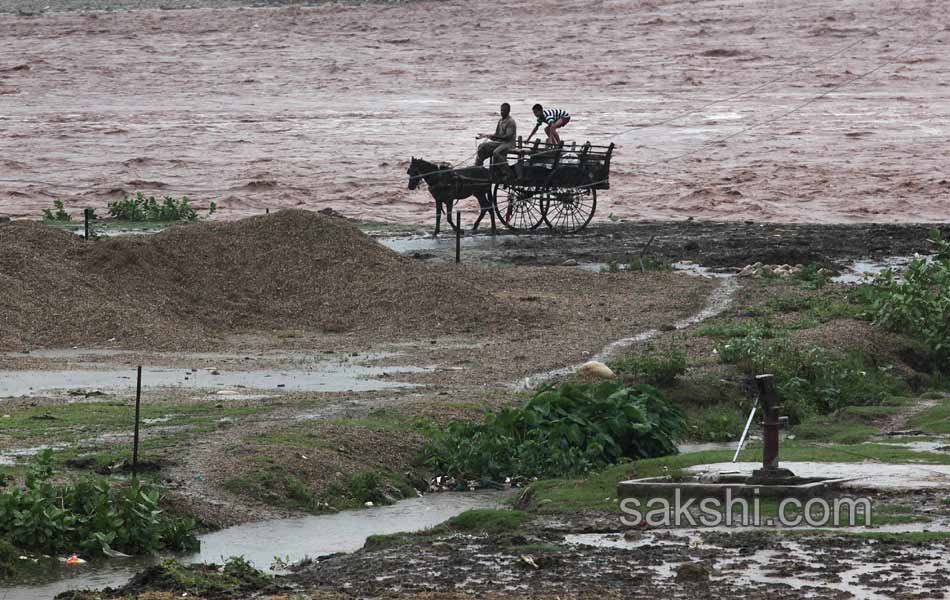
[324, 106]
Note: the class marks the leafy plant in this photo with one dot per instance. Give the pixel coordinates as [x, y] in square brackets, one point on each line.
[142, 208]
[88, 516]
[561, 431]
[811, 380]
[60, 215]
[918, 302]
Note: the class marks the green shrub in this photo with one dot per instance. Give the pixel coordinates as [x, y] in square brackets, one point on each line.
[812, 380]
[720, 423]
[560, 431]
[88, 516]
[60, 215]
[488, 520]
[140, 208]
[654, 369]
[919, 303]
[236, 579]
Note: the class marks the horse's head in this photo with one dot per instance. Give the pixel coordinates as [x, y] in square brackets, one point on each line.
[414, 173]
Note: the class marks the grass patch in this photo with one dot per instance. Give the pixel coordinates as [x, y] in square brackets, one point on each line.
[236, 578]
[719, 423]
[383, 541]
[812, 381]
[935, 419]
[69, 422]
[651, 367]
[850, 425]
[488, 520]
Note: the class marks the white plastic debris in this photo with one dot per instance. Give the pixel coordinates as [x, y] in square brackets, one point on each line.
[596, 369]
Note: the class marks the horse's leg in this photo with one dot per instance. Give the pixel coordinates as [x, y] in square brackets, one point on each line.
[484, 203]
[438, 215]
[480, 215]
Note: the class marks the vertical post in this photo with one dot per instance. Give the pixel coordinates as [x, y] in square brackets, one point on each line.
[138, 404]
[770, 472]
[769, 400]
[85, 214]
[266, 211]
[458, 237]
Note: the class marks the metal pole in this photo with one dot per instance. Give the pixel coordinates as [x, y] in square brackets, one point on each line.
[458, 237]
[138, 404]
[769, 399]
[85, 214]
[745, 432]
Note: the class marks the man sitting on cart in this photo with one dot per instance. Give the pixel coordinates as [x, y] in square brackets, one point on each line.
[500, 142]
[553, 119]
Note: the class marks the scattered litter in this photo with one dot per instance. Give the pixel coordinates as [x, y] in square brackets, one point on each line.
[529, 560]
[74, 560]
[761, 270]
[108, 551]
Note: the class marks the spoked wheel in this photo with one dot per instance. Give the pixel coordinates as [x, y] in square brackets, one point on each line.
[568, 210]
[518, 207]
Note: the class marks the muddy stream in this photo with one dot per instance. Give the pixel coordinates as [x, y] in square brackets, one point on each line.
[290, 540]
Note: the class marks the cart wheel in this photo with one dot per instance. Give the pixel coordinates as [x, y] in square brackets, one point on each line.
[568, 210]
[518, 207]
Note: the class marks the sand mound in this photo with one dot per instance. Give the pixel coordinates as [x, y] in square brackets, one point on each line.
[288, 270]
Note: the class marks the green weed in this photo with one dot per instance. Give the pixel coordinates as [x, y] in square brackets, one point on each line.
[917, 304]
[652, 368]
[90, 516]
[142, 208]
[574, 428]
[60, 215]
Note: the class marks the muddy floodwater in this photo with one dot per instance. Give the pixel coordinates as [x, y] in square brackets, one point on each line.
[825, 111]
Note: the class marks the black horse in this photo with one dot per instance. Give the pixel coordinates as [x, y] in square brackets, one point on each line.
[448, 185]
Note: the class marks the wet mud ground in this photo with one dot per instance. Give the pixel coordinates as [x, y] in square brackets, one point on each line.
[714, 245]
[667, 564]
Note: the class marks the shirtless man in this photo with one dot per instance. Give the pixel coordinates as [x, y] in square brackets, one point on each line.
[553, 119]
[499, 142]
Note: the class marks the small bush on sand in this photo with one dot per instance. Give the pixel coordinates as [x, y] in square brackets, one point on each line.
[60, 213]
[918, 303]
[140, 208]
[561, 431]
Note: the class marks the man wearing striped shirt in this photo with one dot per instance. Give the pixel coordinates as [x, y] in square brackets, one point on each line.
[553, 119]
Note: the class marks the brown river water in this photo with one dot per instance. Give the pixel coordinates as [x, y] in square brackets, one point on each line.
[323, 106]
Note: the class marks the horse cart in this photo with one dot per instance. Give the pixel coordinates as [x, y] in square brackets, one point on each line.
[554, 185]
[540, 183]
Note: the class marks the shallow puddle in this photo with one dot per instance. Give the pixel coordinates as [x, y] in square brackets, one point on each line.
[310, 373]
[289, 539]
[862, 271]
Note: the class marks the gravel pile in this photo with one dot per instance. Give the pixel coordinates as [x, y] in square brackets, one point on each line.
[288, 270]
